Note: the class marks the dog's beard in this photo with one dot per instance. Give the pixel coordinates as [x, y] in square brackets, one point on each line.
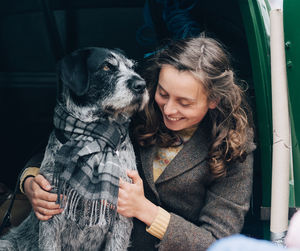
[137, 104]
[126, 111]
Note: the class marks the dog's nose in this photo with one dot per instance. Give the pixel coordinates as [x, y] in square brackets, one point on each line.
[136, 84]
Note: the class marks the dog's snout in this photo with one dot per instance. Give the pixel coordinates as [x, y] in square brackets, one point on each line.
[137, 84]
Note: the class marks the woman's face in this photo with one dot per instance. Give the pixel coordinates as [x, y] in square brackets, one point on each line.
[181, 98]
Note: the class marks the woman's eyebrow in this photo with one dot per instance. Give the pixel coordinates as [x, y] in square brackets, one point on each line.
[192, 100]
[159, 85]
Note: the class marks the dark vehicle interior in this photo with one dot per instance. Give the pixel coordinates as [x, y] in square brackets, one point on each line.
[34, 34]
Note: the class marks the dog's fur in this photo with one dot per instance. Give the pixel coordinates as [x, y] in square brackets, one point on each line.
[96, 82]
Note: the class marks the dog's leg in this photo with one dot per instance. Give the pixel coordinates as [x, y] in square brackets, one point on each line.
[119, 239]
[87, 238]
[49, 234]
[24, 237]
[7, 246]
[49, 238]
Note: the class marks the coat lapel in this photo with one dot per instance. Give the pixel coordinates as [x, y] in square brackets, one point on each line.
[194, 152]
[147, 157]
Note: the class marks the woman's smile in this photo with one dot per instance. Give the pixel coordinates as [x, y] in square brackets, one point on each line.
[172, 119]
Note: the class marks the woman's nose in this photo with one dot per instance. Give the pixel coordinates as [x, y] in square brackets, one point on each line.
[169, 108]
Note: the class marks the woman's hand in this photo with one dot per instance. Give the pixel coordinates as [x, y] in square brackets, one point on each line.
[37, 189]
[132, 201]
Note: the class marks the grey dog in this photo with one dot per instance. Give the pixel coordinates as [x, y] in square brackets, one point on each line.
[87, 153]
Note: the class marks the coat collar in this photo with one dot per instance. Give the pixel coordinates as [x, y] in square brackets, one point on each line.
[193, 152]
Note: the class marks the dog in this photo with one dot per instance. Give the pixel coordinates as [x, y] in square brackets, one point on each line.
[87, 152]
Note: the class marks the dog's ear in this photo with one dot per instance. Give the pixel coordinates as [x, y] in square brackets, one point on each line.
[73, 72]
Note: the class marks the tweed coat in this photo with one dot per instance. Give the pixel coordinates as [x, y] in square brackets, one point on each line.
[202, 209]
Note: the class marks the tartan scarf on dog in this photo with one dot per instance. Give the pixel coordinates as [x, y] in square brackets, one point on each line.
[87, 168]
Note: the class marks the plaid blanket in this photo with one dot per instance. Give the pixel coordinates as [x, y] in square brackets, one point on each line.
[87, 168]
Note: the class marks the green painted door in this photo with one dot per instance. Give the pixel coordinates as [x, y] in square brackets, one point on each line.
[292, 41]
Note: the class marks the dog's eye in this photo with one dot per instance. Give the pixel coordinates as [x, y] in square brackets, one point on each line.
[105, 68]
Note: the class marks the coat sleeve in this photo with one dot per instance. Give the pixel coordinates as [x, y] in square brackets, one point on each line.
[226, 203]
[31, 167]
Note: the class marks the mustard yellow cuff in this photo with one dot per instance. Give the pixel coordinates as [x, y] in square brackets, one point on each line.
[160, 224]
[28, 172]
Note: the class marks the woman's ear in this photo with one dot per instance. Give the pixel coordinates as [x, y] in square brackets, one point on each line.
[213, 104]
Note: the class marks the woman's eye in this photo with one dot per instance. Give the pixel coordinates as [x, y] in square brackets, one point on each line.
[185, 104]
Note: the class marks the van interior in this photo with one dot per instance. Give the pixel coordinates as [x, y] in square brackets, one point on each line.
[34, 34]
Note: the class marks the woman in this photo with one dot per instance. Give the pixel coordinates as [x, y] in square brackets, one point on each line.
[194, 146]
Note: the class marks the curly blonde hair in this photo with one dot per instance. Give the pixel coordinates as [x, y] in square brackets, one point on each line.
[230, 121]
